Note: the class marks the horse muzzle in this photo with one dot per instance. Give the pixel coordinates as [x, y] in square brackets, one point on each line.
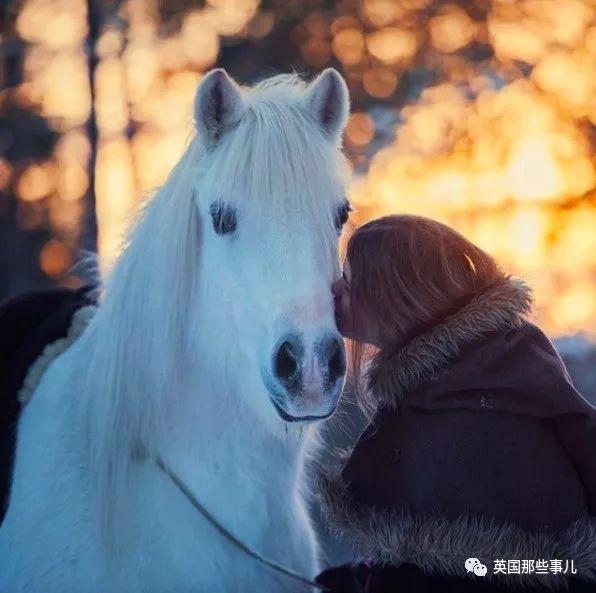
[305, 380]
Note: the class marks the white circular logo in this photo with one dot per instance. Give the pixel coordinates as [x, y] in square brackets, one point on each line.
[474, 565]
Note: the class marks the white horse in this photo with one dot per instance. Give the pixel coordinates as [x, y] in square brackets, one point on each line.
[214, 344]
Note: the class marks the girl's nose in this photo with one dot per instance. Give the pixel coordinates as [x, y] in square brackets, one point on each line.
[336, 288]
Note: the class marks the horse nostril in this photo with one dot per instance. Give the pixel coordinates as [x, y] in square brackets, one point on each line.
[286, 362]
[337, 362]
[331, 354]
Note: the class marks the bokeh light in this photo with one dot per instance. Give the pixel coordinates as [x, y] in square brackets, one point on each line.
[481, 114]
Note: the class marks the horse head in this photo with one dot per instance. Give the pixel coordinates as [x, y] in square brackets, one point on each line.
[270, 196]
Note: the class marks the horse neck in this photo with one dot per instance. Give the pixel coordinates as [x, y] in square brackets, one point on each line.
[221, 446]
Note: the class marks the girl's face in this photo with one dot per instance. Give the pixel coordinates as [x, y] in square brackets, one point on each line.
[353, 322]
[341, 296]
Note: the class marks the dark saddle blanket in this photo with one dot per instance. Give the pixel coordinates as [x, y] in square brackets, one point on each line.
[28, 323]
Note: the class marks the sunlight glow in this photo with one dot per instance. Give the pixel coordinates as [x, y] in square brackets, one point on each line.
[500, 148]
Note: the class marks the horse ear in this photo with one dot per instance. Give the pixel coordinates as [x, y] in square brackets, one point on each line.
[329, 101]
[219, 105]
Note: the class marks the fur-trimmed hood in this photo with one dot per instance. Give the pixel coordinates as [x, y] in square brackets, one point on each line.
[483, 387]
[500, 307]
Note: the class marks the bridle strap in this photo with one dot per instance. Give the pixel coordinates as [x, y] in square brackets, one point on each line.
[225, 532]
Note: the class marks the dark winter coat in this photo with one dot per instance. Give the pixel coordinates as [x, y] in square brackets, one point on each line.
[30, 323]
[481, 448]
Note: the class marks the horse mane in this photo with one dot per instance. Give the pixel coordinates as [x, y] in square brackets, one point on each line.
[138, 334]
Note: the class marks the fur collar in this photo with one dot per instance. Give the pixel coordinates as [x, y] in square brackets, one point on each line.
[500, 307]
[439, 545]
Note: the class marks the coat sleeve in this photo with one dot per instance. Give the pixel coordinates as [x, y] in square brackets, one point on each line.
[577, 433]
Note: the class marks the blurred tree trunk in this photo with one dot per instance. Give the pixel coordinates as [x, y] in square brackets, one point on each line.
[19, 249]
[94, 22]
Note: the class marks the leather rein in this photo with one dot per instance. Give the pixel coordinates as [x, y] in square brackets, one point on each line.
[183, 488]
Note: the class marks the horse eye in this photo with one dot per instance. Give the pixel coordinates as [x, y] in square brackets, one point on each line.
[223, 217]
[343, 213]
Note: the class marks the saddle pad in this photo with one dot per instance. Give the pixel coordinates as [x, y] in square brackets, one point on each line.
[28, 323]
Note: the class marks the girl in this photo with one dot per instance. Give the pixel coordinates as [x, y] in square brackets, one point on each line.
[478, 469]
